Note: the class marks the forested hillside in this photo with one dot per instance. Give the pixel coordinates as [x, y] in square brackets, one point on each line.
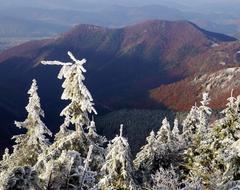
[196, 154]
[153, 65]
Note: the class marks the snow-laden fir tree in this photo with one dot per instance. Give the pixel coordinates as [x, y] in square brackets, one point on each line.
[21, 178]
[118, 168]
[197, 120]
[77, 112]
[81, 101]
[145, 161]
[231, 107]
[214, 160]
[161, 151]
[93, 135]
[167, 147]
[34, 142]
[146, 156]
[225, 145]
[175, 130]
[165, 179]
[66, 170]
[164, 134]
[204, 113]
[190, 125]
[196, 130]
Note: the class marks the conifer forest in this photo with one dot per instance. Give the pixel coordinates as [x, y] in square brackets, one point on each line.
[196, 154]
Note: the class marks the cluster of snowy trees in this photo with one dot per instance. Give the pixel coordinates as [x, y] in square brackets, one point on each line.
[194, 155]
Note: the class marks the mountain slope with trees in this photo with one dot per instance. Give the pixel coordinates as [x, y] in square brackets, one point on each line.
[197, 154]
[125, 62]
[126, 66]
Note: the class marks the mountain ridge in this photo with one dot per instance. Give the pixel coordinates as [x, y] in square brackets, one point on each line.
[170, 45]
[124, 64]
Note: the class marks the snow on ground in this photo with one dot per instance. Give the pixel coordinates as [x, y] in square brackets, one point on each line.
[226, 79]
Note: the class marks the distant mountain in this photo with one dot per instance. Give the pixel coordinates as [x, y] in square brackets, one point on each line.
[123, 63]
[111, 14]
[14, 31]
[129, 67]
[11, 27]
[237, 35]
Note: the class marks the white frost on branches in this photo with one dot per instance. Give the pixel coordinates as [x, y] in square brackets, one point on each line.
[34, 142]
[164, 133]
[165, 179]
[33, 123]
[204, 113]
[118, 169]
[81, 101]
[145, 158]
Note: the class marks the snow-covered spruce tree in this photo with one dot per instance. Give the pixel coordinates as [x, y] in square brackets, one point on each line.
[118, 168]
[196, 123]
[164, 133]
[165, 179]
[66, 171]
[190, 125]
[175, 131]
[163, 138]
[167, 147]
[225, 145]
[196, 130]
[161, 151]
[77, 112]
[204, 114]
[21, 178]
[145, 159]
[215, 160]
[93, 135]
[81, 101]
[34, 142]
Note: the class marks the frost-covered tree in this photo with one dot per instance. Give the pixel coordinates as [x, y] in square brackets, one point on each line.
[34, 142]
[145, 158]
[145, 161]
[165, 179]
[164, 134]
[77, 112]
[190, 125]
[214, 160]
[93, 135]
[20, 178]
[195, 134]
[230, 110]
[175, 130]
[161, 151]
[204, 114]
[178, 141]
[225, 143]
[118, 168]
[66, 170]
[197, 120]
[167, 147]
[81, 101]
